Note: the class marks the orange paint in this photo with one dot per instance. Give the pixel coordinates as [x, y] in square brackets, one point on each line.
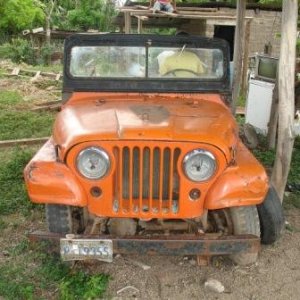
[154, 129]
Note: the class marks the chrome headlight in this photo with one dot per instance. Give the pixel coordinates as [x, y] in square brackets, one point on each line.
[199, 165]
[93, 163]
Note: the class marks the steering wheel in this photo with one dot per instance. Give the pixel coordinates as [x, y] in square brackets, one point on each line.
[173, 72]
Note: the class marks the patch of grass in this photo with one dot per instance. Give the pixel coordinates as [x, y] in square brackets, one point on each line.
[266, 157]
[16, 123]
[240, 119]
[14, 286]
[37, 273]
[294, 175]
[9, 99]
[51, 68]
[24, 124]
[241, 101]
[292, 200]
[13, 195]
[83, 286]
[3, 225]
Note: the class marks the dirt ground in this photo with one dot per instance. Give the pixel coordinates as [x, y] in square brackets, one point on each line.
[276, 275]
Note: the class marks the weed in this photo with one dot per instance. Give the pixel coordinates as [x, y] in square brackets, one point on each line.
[37, 272]
[83, 286]
[18, 50]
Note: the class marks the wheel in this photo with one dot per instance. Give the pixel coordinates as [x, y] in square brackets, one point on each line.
[245, 220]
[271, 217]
[236, 221]
[65, 219]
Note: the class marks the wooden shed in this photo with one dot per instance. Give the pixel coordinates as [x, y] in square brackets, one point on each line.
[215, 19]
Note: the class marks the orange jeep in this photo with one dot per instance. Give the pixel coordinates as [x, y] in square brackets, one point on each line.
[145, 156]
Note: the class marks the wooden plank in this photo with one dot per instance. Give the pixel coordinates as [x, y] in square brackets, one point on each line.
[18, 71]
[239, 36]
[57, 77]
[53, 107]
[142, 18]
[168, 13]
[36, 76]
[186, 16]
[142, 7]
[15, 72]
[245, 59]
[127, 20]
[23, 142]
[49, 74]
[140, 26]
[240, 110]
[198, 9]
[49, 103]
[286, 88]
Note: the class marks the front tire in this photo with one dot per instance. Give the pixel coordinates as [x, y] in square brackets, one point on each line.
[65, 219]
[271, 217]
[245, 220]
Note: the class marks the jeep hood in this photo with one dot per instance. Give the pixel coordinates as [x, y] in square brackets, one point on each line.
[200, 119]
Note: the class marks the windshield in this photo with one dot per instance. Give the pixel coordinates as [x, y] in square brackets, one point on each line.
[150, 62]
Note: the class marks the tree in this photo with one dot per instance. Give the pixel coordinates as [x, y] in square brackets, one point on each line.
[89, 14]
[48, 9]
[17, 15]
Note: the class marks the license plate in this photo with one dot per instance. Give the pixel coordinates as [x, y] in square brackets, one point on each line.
[80, 249]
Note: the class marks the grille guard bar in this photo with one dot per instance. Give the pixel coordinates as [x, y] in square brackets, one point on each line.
[180, 244]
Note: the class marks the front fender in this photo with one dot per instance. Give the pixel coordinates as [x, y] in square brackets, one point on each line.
[52, 182]
[245, 183]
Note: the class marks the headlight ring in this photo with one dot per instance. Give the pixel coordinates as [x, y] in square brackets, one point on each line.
[199, 165]
[93, 163]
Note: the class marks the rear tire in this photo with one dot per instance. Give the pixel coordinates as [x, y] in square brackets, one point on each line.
[245, 220]
[65, 219]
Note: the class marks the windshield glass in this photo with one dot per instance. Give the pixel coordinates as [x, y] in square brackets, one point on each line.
[156, 62]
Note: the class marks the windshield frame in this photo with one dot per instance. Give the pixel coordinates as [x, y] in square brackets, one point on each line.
[144, 84]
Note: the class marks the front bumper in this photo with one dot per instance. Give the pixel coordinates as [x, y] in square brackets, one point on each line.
[207, 245]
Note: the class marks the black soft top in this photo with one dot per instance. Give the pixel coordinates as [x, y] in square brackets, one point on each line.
[182, 85]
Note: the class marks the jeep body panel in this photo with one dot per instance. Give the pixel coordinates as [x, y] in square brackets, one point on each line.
[146, 126]
[50, 181]
[161, 117]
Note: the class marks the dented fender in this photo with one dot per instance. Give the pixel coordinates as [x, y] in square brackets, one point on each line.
[50, 181]
[244, 183]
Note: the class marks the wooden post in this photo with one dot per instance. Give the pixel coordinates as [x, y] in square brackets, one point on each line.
[273, 122]
[127, 18]
[245, 59]
[238, 52]
[140, 25]
[286, 85]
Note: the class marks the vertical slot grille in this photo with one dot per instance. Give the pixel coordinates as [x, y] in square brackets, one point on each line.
[147, 179]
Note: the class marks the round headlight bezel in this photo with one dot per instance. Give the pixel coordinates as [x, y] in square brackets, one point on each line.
[194, 153]
[99, 151]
